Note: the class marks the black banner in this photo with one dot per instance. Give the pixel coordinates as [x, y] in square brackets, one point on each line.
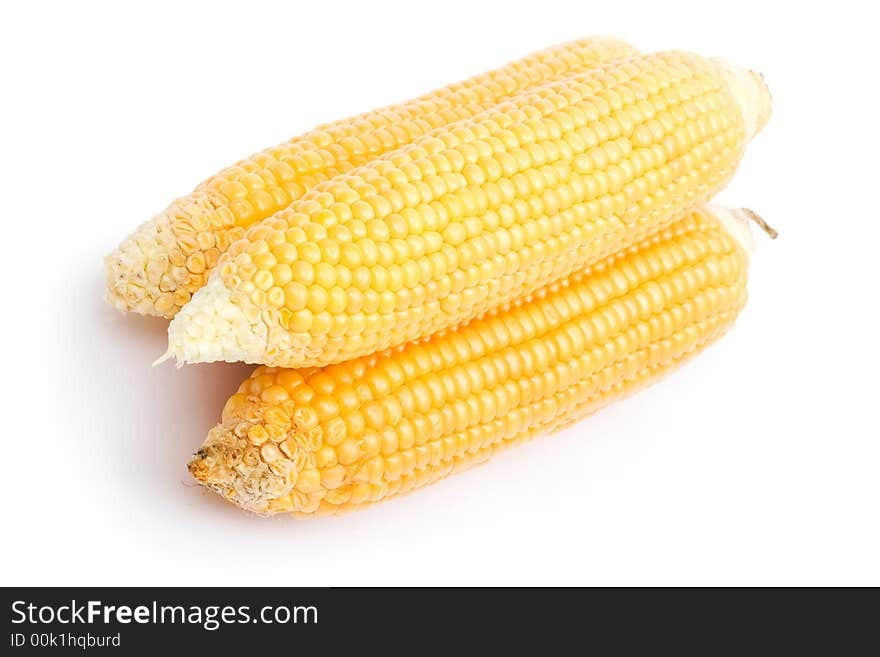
[249, 621]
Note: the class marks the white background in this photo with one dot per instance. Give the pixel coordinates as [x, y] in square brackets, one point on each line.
[756, 464]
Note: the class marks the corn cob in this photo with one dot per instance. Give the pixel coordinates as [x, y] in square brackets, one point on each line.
[333, 439]
[158, 268]
[476, 214]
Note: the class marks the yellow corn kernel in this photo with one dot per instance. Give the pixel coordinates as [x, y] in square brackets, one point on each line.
[443, 404]
[590, 165]
[195, 229]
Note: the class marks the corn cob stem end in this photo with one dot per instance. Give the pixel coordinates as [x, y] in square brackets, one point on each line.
[737, 222]
[751, 93]
[772, 233]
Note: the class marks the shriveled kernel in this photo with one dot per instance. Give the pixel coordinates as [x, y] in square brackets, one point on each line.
[257, 434]
[335, 431]
[305, 418]
[290, 448]
[270, 452]
[196, 263]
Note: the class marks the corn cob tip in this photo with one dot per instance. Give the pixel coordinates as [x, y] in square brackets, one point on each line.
[141, 277]
[223, 466]
[751, 93]
[212, 328]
